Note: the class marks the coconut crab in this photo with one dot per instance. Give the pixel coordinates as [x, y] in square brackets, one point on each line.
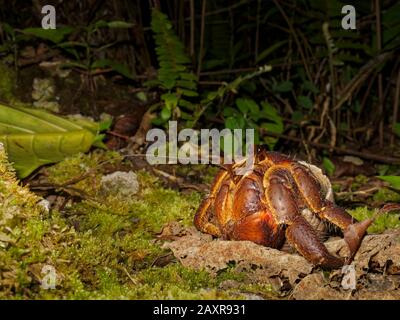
[280, 199]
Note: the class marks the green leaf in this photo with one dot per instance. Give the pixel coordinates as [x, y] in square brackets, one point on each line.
[116, 66]
[33, 137]
[393, 180]
[284, 86]
[71, 64]
[261, 56]
[170, 99]
[396, 129]
[188, 76]
[328, 166]
[141, 96]
[275, 124]
[165, 113]
[119, 25]
[269, 112]
[186, 84]
[305, 102]
[187, 93]
[234, 122]
[247, 106]
[105, 124]
[229, 112]
[186, 104]
[54, 35]
[309, 86]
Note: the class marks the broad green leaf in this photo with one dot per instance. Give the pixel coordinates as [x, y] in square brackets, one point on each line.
[27, 152]
[24, 120]
[35, 137]
[54, 35]
[393, 180]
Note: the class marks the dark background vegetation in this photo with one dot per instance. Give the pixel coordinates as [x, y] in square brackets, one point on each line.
[329, 92]
[285, 68]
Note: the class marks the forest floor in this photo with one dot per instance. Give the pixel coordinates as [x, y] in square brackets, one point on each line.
[133, 238]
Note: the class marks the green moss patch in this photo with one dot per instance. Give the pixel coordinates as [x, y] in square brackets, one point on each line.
[100, 247]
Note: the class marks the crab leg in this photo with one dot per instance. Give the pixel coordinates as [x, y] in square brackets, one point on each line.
[203, 214]
[201, 219]
[299, 232]
[302, 236]
[310, 190]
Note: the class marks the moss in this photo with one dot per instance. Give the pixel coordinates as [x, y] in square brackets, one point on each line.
[7, 82]
[383, 222]
[386, 195]
[102, 248]
[7, 86]
[199, 172]
[266, 291]
[358, 182]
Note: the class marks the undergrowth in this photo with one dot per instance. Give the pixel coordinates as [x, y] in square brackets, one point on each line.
[105, 247]
[99, 249]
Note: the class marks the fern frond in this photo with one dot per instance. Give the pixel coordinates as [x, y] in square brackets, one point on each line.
[174, 74]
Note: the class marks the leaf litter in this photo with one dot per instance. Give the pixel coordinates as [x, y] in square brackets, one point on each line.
[376, 265]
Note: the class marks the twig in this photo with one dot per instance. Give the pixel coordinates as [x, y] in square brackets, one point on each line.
[395, 105]
[366, 192]
[257, 31]
[134, 281]
[203, 13]
[380, 79]
[296, 39]
[366, 96]
[192, 26]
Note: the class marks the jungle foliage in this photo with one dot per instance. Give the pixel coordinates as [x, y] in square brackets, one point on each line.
[328, 86]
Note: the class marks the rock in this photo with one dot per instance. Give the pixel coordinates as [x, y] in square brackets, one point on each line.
[119, 183]
[377, 251]
[374, 274]
[43, 91]
[199, 251]
[229, 284]
[315, 287]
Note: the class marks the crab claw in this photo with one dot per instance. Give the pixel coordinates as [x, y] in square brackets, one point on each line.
[355, 232]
